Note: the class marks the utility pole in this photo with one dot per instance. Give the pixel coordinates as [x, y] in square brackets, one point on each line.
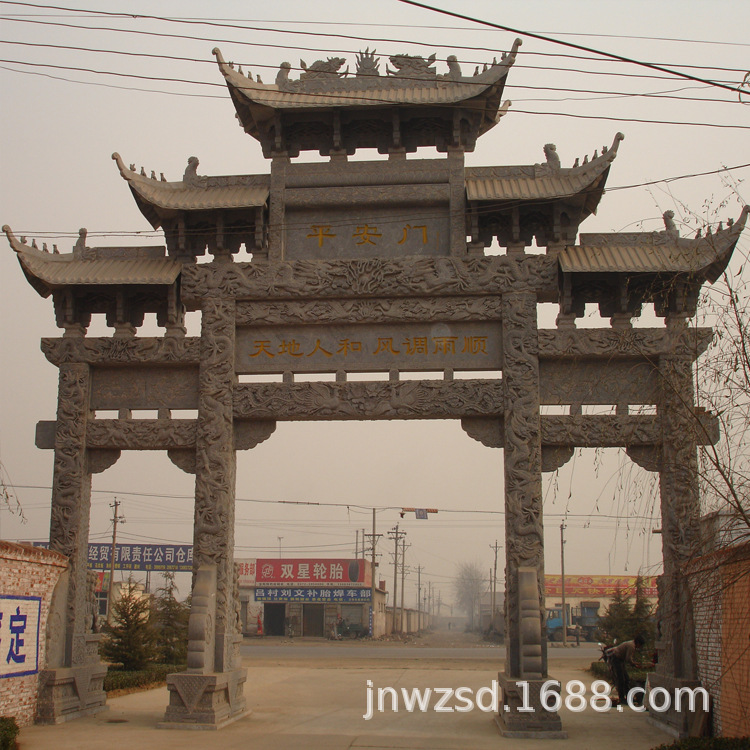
[562, 581]
[403, 573]
[374, 540]
[396, 535]
[115, 520]
[419, 597]
[356, 544]
[495, 546]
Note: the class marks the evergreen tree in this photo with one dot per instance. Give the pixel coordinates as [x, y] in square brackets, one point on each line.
[622, 622]
[129, 638]
[171, 623]
[616, 623]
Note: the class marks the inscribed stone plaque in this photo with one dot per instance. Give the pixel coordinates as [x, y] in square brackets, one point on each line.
[144, 388]
[368, 348]
[367, 232]
[597, 382]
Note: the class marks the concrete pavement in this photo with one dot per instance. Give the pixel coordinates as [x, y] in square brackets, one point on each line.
[321, 706]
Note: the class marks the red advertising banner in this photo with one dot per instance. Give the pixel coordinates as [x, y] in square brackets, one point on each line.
[597, 586]
[311, 572]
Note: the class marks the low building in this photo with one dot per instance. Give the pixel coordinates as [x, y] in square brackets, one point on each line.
[308, 597]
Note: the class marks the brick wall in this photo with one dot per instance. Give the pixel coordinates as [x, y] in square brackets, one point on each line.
[720, 587]
[735, 647]
[24, 572]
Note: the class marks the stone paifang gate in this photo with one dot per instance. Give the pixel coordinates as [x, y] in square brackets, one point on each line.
[375, 266]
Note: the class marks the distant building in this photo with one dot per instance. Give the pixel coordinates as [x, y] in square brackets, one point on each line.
[309, 596]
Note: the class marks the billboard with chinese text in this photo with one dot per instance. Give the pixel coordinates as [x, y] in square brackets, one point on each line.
[174, 557]
[311, 572]
[602, 587]
[312, 594]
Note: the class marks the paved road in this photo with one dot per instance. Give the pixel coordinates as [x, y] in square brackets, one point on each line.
[280, 649]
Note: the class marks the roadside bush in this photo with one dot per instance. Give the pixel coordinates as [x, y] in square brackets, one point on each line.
[8, 733]
[121, 679]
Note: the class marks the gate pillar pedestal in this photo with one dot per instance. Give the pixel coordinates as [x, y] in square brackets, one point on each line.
[513, 721]
[205, 701]
[67, 693]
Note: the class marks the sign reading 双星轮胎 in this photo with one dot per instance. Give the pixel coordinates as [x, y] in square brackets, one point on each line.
[307, 572]
[20, 618]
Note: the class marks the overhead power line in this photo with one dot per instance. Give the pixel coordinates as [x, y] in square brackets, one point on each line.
[572, 45]
[400, 41]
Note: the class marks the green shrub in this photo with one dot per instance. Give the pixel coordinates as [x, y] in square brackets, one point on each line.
[121, 679]
[707, 743]
[8, 733]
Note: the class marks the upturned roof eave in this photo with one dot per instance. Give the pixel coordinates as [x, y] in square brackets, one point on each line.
[248, 95]
[703, 258]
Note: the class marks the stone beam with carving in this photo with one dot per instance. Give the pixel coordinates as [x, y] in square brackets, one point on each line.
[418, 399]
[368, 311]
[593, 430]
[146, 350]
[407, 277]
[611, 343]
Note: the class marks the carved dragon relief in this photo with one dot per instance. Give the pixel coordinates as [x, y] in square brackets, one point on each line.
[215, 461]
[418, 399]
[372, 278]
[368, 311]
[166, 350]
[71, 491]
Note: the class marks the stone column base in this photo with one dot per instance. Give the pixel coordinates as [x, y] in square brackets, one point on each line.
[536, 724]
[205, 701]
[67, 693]
[682, 723]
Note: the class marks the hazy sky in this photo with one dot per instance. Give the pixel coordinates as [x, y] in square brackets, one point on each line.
[69, 101]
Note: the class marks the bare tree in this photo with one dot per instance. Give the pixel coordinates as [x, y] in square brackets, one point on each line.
[468, 586]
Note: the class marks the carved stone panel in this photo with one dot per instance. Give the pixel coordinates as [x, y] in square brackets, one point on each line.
[597, 382]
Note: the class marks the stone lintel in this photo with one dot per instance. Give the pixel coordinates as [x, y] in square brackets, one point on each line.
[417, 399]
[632, 343]
[373, 277]
[120, 351]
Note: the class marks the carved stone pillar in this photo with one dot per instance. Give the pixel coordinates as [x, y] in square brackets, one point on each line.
[526, 644]
[680, 512]
[210, 693]
[71, 685]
